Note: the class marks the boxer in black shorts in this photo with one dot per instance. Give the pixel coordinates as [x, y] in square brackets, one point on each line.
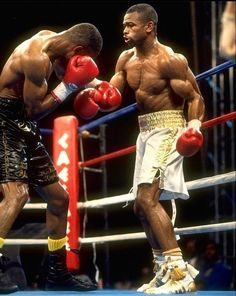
[24, 162]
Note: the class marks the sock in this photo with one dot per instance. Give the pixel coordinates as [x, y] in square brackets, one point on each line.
[174, 255]
[1, 242]
[158, 259]
[173, 252]
[56, 244]
[157, 255]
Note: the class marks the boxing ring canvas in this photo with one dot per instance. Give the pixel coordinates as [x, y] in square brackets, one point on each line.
[118, 293]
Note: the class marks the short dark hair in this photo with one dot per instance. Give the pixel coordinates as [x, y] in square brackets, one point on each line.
[86, 35]
[146, 11]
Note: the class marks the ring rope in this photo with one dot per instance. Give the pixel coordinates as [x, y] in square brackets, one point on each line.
[125, 151]
[215, 70]
[108, 156]
[191, 185]
[220, 119]
[226, 226]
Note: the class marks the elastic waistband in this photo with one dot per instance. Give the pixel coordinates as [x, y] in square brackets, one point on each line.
[161, 119]
[10, 102]
[12, 107]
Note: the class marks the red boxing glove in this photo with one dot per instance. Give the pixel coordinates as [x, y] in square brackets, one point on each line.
[109, 98]
[80, 70]
[191, 140]
[84, 104]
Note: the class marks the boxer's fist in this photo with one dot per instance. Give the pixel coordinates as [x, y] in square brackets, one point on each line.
[190, 142]
[80, 70]
[84, 104]
[109, 98]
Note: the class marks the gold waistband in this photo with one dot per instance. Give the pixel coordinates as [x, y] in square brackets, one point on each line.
[161, 119]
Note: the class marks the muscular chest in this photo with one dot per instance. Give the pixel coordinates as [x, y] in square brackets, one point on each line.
[145, 75]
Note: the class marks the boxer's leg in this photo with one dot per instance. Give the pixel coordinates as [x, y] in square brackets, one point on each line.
[14, 196]
[58, 277]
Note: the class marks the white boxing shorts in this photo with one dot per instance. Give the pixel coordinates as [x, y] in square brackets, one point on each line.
[156, 155]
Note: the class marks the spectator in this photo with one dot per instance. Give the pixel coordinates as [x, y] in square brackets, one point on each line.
[214, 274]
[227, 46]
[191, 252]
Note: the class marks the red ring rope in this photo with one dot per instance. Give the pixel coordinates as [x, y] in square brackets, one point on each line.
[108, 156]
[219, 119]
[206, 124]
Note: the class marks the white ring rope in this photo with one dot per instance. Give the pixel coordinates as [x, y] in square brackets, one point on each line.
[196, 184]
[141, 235]
[124, 198]
[128, 236]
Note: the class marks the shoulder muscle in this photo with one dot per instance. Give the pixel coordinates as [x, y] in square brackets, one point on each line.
[174, 66]
[123, 59]
[35, 69]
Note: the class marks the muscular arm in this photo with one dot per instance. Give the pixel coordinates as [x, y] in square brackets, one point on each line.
[38, 103]
[195, 103]
[184, 84]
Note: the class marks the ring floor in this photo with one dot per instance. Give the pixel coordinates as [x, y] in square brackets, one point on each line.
[117, 293]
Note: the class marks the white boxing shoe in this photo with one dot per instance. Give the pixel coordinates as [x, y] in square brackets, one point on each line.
[179, 278]
[156, 282]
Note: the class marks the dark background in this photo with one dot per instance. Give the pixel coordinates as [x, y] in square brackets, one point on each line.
[19, 20]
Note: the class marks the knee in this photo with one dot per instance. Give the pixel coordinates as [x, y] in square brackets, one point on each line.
[139, 205]
[143, 203]
[139, 212]
[135, 208]
[58, 205]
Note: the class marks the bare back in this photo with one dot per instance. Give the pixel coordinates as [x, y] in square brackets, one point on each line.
[26, 73]
[27, 57]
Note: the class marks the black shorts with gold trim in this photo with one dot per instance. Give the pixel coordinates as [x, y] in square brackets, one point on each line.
[23, 156]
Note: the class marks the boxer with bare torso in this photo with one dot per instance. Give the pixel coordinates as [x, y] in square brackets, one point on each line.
[163, 84]
[24, 162]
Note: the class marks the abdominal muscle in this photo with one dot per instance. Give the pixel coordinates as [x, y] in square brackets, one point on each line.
[148, 102]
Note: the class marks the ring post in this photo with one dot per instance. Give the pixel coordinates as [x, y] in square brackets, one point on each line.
[65, 158]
